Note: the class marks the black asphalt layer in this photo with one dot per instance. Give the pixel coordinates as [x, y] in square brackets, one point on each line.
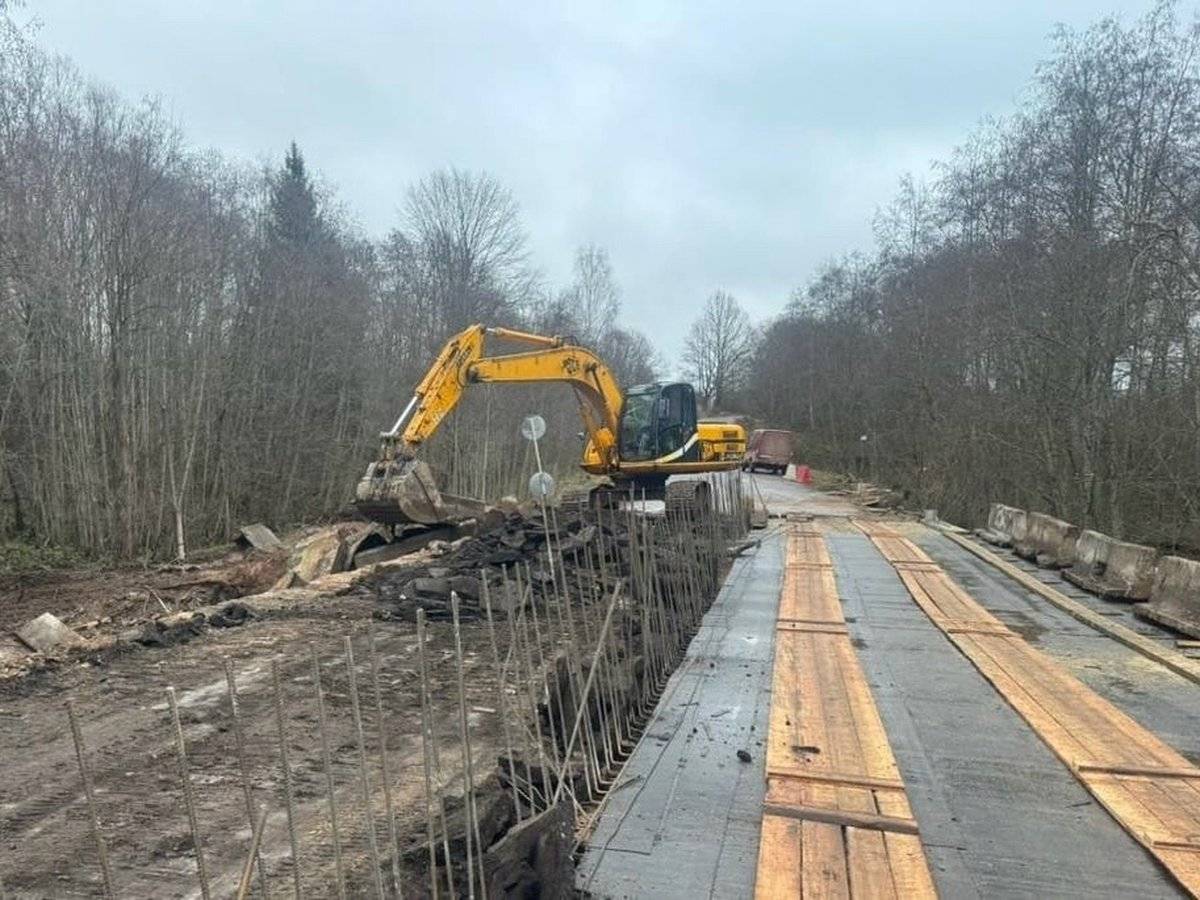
[684, 818]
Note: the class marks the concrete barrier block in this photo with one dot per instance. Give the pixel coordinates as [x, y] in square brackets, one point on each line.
[1130, 571]
[1174, 596]
[1048, 541]
[1018, 523]
[1090, 560]
[1091, 553]
[1113, 569]
[1001, 524]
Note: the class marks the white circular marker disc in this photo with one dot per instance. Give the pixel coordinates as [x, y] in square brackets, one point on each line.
[533, 427]
[541, 484]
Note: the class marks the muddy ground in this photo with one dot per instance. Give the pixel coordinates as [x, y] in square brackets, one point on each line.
[46, 849]
[119, 696]
[101, 603]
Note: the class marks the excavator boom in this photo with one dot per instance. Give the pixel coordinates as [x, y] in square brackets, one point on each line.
[398, 487]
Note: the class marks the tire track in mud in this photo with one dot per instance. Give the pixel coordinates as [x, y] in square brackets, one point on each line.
[46, 847]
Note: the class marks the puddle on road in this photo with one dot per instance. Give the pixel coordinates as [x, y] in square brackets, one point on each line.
[1022, 623]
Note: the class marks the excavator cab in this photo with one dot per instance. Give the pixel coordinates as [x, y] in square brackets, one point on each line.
[658, 423]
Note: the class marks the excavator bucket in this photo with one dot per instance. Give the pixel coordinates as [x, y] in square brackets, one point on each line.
[399, 492]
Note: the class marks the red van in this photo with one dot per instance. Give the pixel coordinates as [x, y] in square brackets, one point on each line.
[768, 449]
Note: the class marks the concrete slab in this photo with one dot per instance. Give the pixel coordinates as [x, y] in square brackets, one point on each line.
[258, 536]
[1000, 816]
[684, 820]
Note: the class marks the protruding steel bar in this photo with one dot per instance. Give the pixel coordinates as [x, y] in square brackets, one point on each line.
[364, 780]
[239, 735]
[253, 857]
[384, 767]
[185, 776]
[612, 605]
[470, 810]
[501, 698]
[285, 767]
[432, 769]
[540, 745]
[515, 649]
[90, 795]
[327, 760]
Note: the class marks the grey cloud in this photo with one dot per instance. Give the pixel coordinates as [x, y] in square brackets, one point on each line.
[705, 145]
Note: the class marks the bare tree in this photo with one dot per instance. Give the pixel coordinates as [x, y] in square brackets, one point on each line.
[466, 230]
[186, 343]
[593, 299]
[718, 349]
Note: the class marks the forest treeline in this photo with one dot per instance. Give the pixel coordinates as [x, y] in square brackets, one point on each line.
[188, 343]
[1028, 329]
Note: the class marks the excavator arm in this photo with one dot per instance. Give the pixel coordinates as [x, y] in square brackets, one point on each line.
[399, 488]
[462, 363]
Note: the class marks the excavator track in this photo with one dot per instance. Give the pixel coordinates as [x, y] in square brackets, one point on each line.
[692, 495]
[602, 497]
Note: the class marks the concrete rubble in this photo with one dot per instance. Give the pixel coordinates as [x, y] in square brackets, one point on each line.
[258, 537]
[48, 635]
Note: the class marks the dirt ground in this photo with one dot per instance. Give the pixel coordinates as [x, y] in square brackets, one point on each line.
[46, 848]
[102, 602]
[119, 695]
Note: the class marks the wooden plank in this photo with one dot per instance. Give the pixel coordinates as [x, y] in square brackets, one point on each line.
[863, 781]
[813, 627]
[823, 870]
[980, 629]
[1074, 702]
[1146, 785]
[784, 724]
[1152, 771]
[851, 817]
[878, 760]
[830, 769]
[1165, 656]
[867, 864]
[809, 594]
[779, 859]
[910, 872]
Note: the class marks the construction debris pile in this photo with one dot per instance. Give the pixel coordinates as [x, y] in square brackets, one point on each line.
[518, 550]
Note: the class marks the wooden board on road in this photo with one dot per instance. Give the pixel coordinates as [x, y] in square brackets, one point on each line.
[836, 818]
[1144, 783]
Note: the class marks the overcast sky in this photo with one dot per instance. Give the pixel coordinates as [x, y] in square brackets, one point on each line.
[706, 145]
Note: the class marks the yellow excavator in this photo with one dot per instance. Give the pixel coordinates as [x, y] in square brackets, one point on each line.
[637, 439]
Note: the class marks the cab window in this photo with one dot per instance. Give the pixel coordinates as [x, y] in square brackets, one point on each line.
[676, 419]
[638, 424]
